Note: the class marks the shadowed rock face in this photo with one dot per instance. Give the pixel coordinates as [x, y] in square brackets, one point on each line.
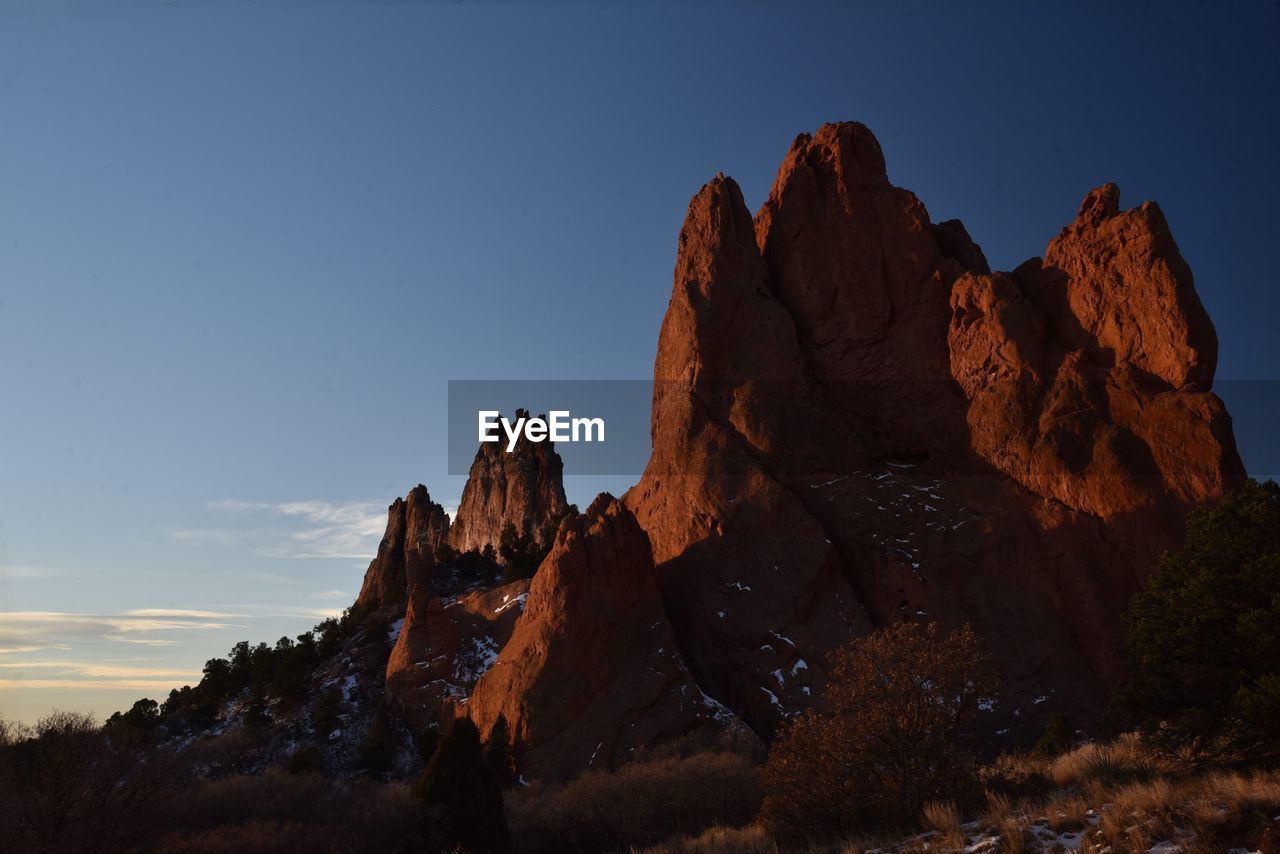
[523, 487]
[591, 672]
[856, 422]
[444, 645]
[416, 525]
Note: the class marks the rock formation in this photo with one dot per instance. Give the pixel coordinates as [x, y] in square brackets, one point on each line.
[416, 525]
[524, 487]
[856, 422]
[443, 646]
[591, 673]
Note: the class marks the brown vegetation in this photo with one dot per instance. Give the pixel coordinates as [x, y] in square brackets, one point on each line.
[886, 739]
[641, 804]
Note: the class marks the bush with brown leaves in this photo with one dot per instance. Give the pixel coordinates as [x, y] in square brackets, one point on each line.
[886, 738]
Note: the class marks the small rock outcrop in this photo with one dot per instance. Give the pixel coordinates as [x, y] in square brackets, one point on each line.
[416, 526]
[524, 487]
[591, 672]
[444, 645]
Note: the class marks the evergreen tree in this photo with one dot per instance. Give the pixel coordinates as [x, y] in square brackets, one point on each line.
[256, 714]
[1057, 737]
[498, 755]
[378, 749]
[427, 741]
[1204, 637]
[326, 712]
[458, 780]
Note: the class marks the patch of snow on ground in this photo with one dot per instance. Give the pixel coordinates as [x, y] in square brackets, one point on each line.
[773, 698]
[394, 634]
[508, 601]
[473, 661]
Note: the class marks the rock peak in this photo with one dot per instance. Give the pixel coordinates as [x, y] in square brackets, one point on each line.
[1099, 204]
[416, 526]
[524, 487]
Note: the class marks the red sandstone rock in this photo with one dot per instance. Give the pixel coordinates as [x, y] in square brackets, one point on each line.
[444, 646]
[855, 422]
[406, 555]
[524, 487]
[591, 673]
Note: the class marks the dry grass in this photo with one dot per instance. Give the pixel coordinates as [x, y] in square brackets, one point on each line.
[752, 839]
[641, 804]
[944, 818]
[1213, 812]
[1116, 762]
[1068, 813]
[1113, 797]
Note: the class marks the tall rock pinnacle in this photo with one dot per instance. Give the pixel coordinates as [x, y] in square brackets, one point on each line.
[416, 526]
[522, 487]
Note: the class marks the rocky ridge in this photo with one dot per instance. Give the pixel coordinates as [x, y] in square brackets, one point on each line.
[855, 422]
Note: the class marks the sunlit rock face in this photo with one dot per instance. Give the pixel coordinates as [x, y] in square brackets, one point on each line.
[856, 422]
[416, 526]
[523, 487]
[591, 673]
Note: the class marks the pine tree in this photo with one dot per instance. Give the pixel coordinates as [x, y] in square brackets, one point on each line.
[458, 780]
[378, 748]
[1204, 637]
[497, 753]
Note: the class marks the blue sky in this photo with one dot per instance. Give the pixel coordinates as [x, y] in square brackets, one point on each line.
[243, 248]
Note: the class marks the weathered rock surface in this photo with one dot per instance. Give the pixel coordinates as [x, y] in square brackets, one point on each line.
[524, 487]
[856, 422]
[416, 525]
[445, 645]
[591, 672]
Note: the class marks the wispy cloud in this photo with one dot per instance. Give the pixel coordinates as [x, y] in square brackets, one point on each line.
[212, 536]
[331, 594]
[22, 650]
[80, 684]
[101, 670]
[293, 611]
[297, 529]
[180, 612]
[25, 572]
[30, 631]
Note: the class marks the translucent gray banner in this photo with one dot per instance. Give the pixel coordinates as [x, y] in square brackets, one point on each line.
[625, 406]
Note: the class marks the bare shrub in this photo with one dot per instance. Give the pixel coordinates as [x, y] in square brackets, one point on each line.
[307, 812]
[886, 739]
[643, 803]
[66, 786]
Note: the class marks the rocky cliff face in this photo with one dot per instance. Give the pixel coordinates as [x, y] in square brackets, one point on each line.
[523, 487]
[856, 422]
[591, 672]
[416, 525]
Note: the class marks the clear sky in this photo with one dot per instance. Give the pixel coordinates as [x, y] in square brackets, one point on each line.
[244, 246]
